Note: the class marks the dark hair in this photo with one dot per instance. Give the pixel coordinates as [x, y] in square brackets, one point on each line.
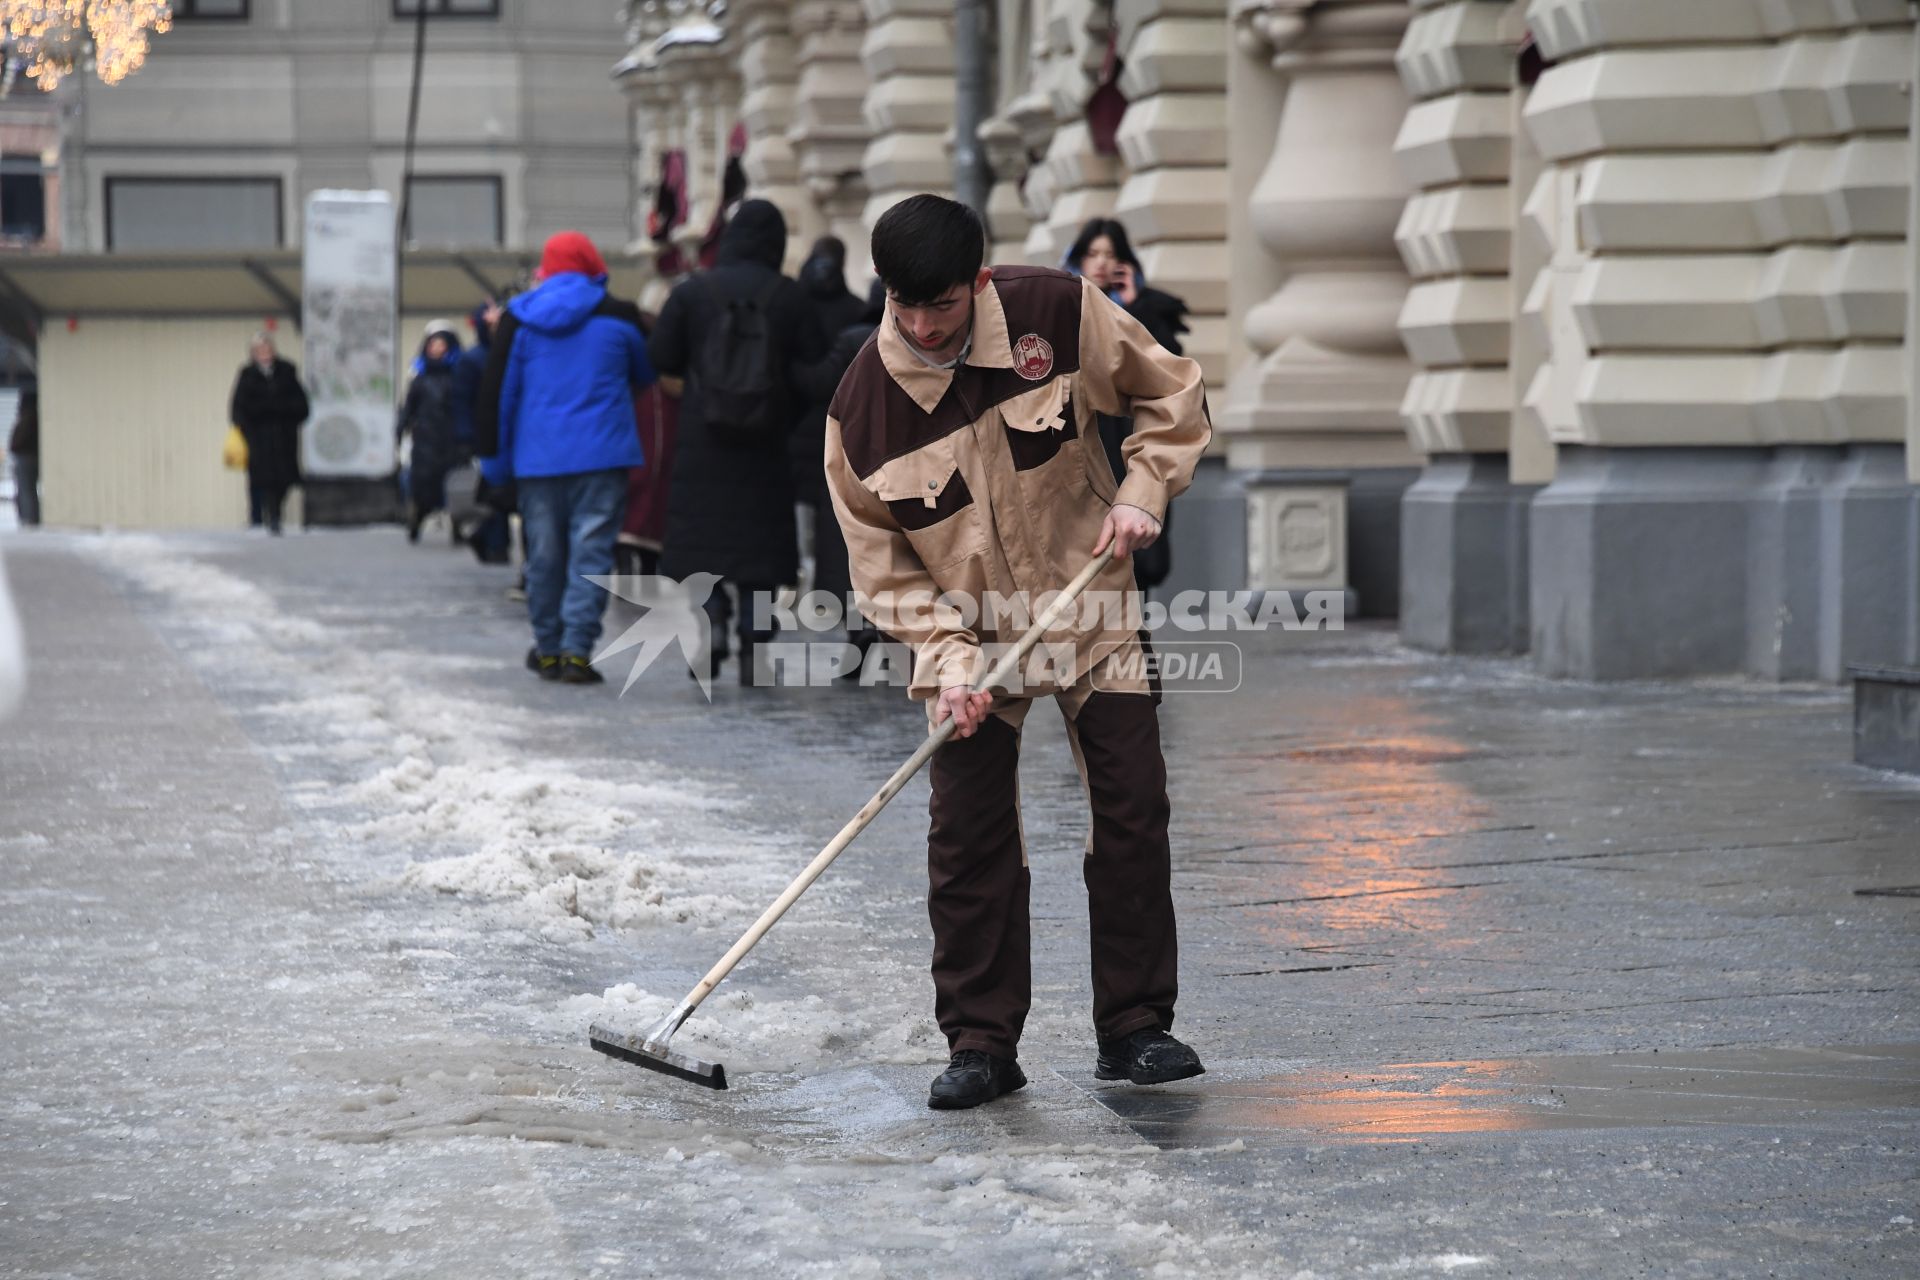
[1114, 231]
[925, 245]
[832, 247]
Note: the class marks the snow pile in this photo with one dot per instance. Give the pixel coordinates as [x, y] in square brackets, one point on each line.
[760, 1034]
[554, 849]
[226, 607]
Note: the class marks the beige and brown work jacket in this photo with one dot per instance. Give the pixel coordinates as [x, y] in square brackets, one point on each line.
[990, 476]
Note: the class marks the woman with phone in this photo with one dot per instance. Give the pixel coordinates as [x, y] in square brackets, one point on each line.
[1103, 254]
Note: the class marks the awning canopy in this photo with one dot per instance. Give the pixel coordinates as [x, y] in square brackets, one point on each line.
[56, 286]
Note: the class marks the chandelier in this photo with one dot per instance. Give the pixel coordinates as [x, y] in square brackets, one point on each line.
[52, 37]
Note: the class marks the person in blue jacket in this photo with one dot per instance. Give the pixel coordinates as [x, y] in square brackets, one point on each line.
[556, 405]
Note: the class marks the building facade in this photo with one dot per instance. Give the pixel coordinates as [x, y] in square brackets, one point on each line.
[1567, 327]
[248, 106]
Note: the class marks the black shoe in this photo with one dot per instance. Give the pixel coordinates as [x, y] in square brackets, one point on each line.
[544, 665]
[576, 669]
[1148, 1056]
[974, 1077]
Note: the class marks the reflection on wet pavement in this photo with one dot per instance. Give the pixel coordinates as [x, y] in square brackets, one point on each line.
[1863, 1088]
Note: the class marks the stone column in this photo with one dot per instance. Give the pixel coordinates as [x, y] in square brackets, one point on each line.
[1725, 194]
[908, 56]
[760, 31]
[829, 131]
[1030, 114]
[659, 127]
[1463, 524]
[1073, 181]
[691, 61]
[1006, 208]
[1314, 417]
[1174, 141]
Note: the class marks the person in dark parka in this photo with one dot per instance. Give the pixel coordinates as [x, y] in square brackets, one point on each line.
[816, 383]
[824, 276]
[730, 501]
[430, 417]
[269, 405]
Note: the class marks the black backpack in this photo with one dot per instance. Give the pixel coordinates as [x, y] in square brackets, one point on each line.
[739, 372]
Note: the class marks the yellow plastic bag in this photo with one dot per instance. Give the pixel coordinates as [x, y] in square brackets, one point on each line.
[234, 454]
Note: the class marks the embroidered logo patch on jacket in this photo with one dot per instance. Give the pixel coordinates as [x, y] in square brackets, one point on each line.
[1032, 357]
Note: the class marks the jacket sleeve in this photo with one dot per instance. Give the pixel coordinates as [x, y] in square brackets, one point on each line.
[1126, 373]
[487, 440]
[894, 587]
[640, 373]
[234, 407]
[811, 339]
[409, 409]
[301, 406]
[667, 345]
[817, 380]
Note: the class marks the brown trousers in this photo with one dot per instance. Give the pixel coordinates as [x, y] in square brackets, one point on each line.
[978, 878]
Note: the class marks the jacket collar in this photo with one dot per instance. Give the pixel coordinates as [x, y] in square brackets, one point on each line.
[992, 349]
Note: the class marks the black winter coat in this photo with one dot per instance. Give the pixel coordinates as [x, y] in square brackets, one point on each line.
[817, 382]
[429, 416]
[729, 504]
[1165, 317]
[269, 408]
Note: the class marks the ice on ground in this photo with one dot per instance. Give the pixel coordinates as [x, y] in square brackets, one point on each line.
[230, 608]
[751, 1032]
[557, 850]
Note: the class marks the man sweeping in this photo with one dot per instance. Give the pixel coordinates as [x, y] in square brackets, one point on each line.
[961, 459]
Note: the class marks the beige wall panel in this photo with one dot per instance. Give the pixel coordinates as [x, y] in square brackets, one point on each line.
[1723, 98]
[568, 100]
[909, 46]
[134, 413]
[1175, 55]
[1732, 302]
[1567, 28]
[904, 163]
[1175, 129]
[907, 53]
[920, 103]
[1195, 270]
[1814, 192]
[1464, 138]
[207, 99]
[1459, 410]
[1456, 48]
[464, 97]
[1456, 231]
[1174, 204]
[1459, 321]
[1798, 397]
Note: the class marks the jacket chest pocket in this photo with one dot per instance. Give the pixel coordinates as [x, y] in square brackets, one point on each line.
[930, 501]
[1039, 423]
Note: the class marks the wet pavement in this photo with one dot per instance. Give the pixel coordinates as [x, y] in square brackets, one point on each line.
[1492, 975]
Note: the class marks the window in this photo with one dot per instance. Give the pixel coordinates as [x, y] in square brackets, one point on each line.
[447, 8]
[194, 213]
[23, 200]
[210, 10]
[454, 212]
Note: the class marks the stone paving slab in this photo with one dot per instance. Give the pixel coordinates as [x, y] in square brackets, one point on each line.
[1450, 936]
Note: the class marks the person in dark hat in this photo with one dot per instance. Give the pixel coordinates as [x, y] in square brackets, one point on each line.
[734, 333]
